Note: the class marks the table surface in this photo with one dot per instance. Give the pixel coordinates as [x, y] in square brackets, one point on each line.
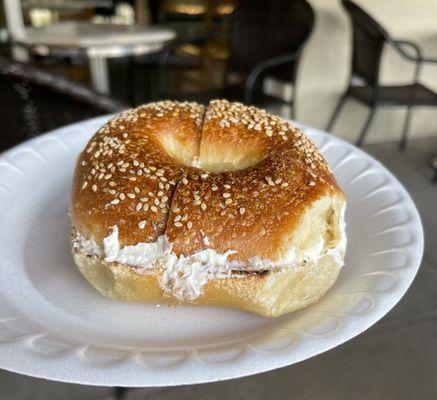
[66, 4]
[86, 34]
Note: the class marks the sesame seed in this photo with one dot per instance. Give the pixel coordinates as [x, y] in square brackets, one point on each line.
[242, 210]
[178, 224]
[156, 201]
[154, 209]
[226, 195]
[132, 178]
[189, 225]
[203, 206]
[94, 188]
[122, 196]
[214, 188]
[184, 181]
[131, 195]
[204, 176]
[312, 183]
[136, 190]
[145, 207]
[138, 207]
[177, 218]
[112, 183]
[142, 224]
[284, 184]
[111, 191]
[115, 201]
[84, 184]
[228, 201]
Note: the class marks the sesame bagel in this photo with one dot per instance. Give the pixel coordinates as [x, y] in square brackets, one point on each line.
[225, 205]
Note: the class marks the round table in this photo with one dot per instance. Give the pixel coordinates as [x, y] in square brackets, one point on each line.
[98, 42]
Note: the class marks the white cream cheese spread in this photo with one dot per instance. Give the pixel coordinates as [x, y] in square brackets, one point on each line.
[185, 276]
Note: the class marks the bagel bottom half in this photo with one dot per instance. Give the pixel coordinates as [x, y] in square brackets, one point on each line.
[269, 293]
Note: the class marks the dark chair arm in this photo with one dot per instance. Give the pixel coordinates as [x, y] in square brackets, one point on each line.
[399, 44]
[261, 67]
[60, 84]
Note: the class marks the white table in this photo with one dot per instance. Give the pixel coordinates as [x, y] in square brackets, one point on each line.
[66, 4]
[98, 42]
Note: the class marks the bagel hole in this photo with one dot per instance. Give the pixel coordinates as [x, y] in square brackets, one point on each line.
[184, 153]
[229, 161]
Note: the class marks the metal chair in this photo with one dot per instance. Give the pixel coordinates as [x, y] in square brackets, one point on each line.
[266, 37]
[34, 101]
[368, 40]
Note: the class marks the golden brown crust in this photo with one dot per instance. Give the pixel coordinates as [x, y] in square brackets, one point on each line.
[126, 177]
[250, 209]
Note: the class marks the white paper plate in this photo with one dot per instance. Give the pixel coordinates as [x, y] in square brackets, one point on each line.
[54, 325]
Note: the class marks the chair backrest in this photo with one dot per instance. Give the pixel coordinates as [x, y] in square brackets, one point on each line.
[368, 39]
[34, 101]
[262, 29]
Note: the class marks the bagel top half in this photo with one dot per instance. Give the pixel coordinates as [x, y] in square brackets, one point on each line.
[227, 177]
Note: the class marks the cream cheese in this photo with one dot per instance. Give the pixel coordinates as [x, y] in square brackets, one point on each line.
[185, 276]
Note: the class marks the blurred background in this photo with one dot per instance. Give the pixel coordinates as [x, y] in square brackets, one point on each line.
[365, 71]
[115, 47]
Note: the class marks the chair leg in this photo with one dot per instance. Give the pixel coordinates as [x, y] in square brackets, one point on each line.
[434, 168]
[120, 392]
[403, 142]
[337, 110]
[292, 110]
[131, 75]
[366, 126]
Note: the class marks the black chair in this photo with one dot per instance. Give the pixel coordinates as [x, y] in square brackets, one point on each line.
[34, 101]
[266, 37]
[368, 40]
